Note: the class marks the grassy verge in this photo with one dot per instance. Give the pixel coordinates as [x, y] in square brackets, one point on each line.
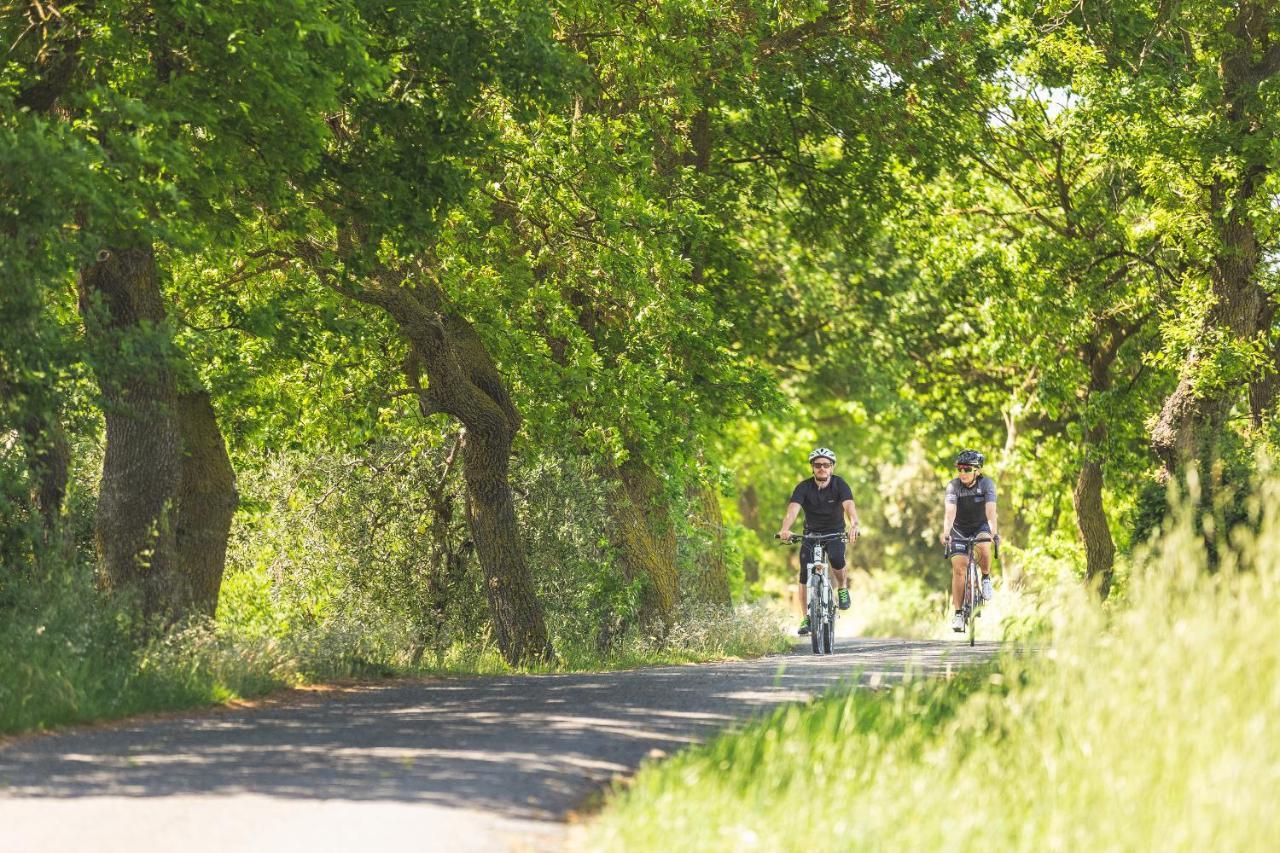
[1147, 727]
[64, 662]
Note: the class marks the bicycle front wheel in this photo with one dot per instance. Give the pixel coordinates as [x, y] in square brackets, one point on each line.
[815, 620]
[971, 597]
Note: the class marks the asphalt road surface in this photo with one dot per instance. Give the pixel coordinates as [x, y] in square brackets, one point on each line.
[496, 763]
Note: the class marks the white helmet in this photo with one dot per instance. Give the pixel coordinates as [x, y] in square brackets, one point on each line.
[823, 452]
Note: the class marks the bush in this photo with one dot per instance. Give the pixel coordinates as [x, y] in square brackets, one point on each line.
[340, 566]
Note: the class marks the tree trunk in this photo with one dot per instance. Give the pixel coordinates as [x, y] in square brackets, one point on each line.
[463, 382]
[1091, 520]
[1264, 389]
[206, 504]
[517, 616]
[135, 533]
[641, 531]
[447, 565]
[168, 490]
[1191, 420]
[710, 582]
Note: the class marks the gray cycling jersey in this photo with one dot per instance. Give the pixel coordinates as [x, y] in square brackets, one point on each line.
[971, 501]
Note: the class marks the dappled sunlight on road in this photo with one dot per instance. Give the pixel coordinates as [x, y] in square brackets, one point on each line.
[525, 748]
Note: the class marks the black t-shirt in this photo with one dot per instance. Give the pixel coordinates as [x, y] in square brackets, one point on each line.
[823, 508]
[971, 501]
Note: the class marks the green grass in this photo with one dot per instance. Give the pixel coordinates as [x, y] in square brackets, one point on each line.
[69, 658]
[1146, 727]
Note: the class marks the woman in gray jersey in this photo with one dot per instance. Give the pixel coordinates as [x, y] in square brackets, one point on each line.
[970, 513]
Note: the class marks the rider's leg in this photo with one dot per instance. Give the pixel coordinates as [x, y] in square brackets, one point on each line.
[836, 556]
[983, 550]
[840, 573]
[959, 567]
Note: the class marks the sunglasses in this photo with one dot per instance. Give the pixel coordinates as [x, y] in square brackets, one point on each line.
[821, 464]
[965, 469]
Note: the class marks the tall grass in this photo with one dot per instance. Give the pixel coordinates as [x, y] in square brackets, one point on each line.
[1152, 726]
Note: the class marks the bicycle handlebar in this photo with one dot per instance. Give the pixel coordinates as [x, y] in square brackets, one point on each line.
[813, 537]
[970, 540]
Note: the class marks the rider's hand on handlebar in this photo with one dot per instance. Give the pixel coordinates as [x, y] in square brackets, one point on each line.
[784, 535]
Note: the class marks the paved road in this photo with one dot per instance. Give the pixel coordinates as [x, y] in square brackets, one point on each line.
[459, 764]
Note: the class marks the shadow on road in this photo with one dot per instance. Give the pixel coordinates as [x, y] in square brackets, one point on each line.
[525, 747]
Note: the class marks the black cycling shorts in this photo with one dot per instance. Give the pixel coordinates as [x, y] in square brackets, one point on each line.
[957, 547]
[835, 556]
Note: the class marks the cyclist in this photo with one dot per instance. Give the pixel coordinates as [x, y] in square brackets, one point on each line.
[827, 501]
[970, 513]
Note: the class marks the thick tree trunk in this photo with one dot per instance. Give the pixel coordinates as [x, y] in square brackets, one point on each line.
[206, 503]
[1264, 389]
[641, 531]
[463, 382]
[1189, 423]
[135, 529]
[1091, 520]
[1191, 420]
[168, 491]
[710, 581]
[517, 616]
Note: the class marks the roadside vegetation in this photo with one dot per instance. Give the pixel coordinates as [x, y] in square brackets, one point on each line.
[1135, 728]
[75, 657]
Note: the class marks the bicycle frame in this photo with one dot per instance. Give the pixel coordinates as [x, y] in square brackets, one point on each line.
[971, 601]
[820, 603]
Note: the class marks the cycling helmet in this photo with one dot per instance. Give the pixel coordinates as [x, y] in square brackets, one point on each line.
[970, 457]
[823, 452]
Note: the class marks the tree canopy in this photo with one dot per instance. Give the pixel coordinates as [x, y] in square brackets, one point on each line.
[630, 256]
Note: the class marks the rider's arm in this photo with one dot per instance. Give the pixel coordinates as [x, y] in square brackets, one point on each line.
[989, 488]
[793, 509]
[851, 513]
[949, 520]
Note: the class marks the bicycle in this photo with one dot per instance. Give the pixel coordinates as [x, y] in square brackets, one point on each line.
[821, 600]
[972, 601]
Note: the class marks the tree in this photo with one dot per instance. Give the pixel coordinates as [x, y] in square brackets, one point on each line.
[171, 111]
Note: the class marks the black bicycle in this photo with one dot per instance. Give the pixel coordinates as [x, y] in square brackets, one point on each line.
[971, 603]
[821, 599]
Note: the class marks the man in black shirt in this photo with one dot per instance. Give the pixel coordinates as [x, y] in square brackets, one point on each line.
[826, 501]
